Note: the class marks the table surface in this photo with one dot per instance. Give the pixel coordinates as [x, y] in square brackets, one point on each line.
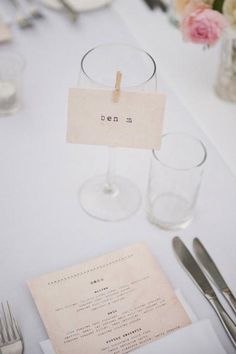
[43, 228]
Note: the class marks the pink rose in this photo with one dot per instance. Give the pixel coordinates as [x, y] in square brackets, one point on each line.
[203, 26]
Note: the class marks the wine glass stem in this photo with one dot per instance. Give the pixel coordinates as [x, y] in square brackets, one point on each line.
[110, 187]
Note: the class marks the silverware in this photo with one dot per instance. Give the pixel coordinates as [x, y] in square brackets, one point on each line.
[23, 20]
[152, 4]
[213, 272]
[35, 11]
[11, 341]
[72, 13]
[195, 272]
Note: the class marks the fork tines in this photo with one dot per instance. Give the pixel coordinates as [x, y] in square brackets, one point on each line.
[9, 330]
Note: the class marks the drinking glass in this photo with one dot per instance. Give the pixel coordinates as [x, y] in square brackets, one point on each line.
[174, 180]
[11, 67]
[112, 197]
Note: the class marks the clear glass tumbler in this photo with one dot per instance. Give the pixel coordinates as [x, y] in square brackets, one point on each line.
[111, 197]
[174, 180]
[11, 67]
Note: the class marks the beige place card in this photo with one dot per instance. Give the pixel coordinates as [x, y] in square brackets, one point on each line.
[129, 119]
[110, 305]
[5, 32]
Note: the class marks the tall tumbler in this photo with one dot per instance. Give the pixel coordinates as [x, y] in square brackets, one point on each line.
[174, 180]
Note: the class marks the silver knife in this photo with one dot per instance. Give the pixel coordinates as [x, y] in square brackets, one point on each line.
[195, 272]
[213, 272]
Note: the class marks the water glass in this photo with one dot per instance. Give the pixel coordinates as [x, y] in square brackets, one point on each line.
[174, 180]
[11, 67]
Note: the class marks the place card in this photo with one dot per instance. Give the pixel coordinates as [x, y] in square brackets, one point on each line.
[5, 32]
[124, 118]
[112, 304]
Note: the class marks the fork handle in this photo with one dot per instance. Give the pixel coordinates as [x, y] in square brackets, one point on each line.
[70, 10]
[12, 348]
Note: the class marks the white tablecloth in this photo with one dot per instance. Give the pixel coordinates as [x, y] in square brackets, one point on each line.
[42, 225]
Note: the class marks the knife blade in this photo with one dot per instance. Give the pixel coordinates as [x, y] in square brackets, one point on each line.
[213, 272]
[195, 272]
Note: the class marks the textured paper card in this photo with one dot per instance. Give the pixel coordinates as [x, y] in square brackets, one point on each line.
[5, 32]
[135, 120]
[47, 348]
[112, 304]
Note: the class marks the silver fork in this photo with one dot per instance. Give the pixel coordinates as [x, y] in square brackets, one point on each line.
[11, 340]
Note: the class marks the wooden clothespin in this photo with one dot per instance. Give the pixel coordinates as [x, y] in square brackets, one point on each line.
[116, 93]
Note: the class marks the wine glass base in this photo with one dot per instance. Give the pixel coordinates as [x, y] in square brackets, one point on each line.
[109, 203]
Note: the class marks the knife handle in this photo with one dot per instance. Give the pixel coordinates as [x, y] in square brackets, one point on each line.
[225, 319]
[230, 298]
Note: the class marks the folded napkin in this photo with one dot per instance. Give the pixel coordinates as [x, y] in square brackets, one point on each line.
[46, 347]
[197, 338]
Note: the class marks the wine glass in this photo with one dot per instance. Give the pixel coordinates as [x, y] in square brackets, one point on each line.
[111, 197]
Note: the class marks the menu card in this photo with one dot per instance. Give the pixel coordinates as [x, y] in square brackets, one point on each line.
[111, 304]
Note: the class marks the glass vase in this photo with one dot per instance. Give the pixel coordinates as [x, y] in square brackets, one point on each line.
[226, 80]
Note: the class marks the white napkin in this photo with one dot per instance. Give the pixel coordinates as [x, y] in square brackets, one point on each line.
[197, 338]
[46, 347]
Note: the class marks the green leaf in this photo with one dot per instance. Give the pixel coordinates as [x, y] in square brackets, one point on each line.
[218, 5]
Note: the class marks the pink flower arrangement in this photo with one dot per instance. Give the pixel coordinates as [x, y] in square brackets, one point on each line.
[201, 23]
